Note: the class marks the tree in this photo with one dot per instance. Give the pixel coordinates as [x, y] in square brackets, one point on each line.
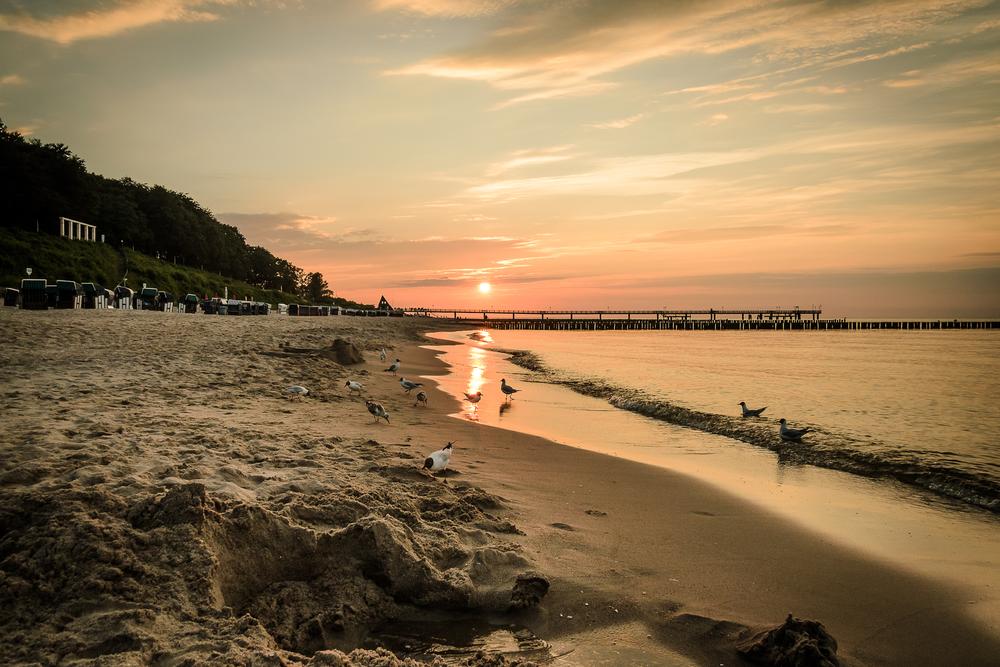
[315, 289]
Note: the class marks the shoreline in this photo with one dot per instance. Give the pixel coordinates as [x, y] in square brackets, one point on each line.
[834, 582]
[663, 570]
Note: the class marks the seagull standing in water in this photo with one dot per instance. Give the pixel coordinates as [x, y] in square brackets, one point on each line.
[354, 385]
[508, 390]
[409, 385]
[421, 398]
[377, 411]
[297, 390]
[474, 398]
[393, 367]
[751, 412]
[439, 460]
[793, 434]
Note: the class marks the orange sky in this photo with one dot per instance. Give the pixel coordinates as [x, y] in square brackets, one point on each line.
[630, 153]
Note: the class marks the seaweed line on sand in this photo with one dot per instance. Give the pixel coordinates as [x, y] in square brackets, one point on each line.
[823, 448]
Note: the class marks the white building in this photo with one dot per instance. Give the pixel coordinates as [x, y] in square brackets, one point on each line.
[76, 230]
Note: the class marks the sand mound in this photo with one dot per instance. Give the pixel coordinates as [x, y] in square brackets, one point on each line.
[133, 578]
[345, 352]
[794, 643]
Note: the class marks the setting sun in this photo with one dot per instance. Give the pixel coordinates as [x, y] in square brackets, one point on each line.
[485, 288]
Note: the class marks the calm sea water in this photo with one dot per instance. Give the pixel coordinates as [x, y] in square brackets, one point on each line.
[900, 398]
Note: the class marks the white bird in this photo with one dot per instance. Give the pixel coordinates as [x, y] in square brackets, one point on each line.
[474, 398]
[507, 389]
[377, 411]
[421, 398]
[354, 385]
[393, 367]
[751, 412]
[409, 385]
[297, 390]
[794, 434]
[381, 354]
[440, 459]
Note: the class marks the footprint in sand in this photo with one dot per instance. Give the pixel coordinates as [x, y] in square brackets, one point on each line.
[595, 513]
[562, 526]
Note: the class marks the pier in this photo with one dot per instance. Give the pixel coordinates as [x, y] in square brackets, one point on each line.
[777, 319]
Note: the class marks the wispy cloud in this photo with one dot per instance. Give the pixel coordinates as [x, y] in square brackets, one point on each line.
[12, 80]
[448, 8]
[555, 50]
[106, 20]
[620, 123]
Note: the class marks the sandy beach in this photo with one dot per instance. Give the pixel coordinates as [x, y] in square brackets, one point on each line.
[164, 501]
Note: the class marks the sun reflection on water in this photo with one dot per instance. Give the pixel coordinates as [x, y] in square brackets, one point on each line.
[477, 378]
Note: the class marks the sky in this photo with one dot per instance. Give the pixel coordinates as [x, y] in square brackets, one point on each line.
[573, 153]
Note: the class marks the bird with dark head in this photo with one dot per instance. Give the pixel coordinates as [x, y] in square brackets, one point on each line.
[377, 411]
[440, 459]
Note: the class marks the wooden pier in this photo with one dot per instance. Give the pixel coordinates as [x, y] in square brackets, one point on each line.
[794, 319]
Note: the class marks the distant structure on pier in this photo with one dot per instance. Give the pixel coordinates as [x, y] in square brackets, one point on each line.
[76, 230]
[383, 304]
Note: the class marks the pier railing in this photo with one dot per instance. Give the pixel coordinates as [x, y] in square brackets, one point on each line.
[794, 319]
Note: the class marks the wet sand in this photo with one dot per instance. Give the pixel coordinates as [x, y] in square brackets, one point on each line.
[163, 501]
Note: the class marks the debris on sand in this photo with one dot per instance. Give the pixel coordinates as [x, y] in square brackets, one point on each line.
[794, 643]
[529, 589]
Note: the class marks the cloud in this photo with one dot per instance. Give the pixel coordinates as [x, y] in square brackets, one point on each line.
[715, 119]
[620, 123]
[620, 176]
[12, 80]
[717, 234]
[284, 232]
[106, 21]
[530, 158]
[545, 51]
[985, 68]
[447, 8]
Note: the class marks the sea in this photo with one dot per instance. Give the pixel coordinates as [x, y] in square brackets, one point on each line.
[902, 462]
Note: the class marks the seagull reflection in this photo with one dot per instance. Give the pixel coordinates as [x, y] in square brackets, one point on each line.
[504, 407]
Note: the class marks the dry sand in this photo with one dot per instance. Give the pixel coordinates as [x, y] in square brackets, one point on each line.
[163, 501]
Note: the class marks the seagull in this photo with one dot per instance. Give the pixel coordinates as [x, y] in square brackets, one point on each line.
[507, 389]
[421, 398]
[354, 385]
[409, 385]
[751, 412]
[377, 411]
[297, 390]
[381, 354]
[474, 398]
[794, 434]
[439, 460]
[393, 367]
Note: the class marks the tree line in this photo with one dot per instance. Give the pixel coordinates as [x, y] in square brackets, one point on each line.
[40, 182]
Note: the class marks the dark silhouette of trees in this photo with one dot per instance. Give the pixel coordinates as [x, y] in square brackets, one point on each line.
[315, 288]
[41, 182]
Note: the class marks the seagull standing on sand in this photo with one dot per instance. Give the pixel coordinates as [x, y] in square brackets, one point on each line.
[377, 411]
[297, 390]
[393, 367]
[354, 385]
[409, 385]
[751, 412]
[421, 398]
[508, 390]
[439, 460]
[793, 434]
[381, 354]
[474, 398]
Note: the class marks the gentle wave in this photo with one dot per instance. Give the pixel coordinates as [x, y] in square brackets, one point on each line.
[821, 448]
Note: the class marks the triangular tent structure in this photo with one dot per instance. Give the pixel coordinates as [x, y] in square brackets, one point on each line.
[383, 304]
